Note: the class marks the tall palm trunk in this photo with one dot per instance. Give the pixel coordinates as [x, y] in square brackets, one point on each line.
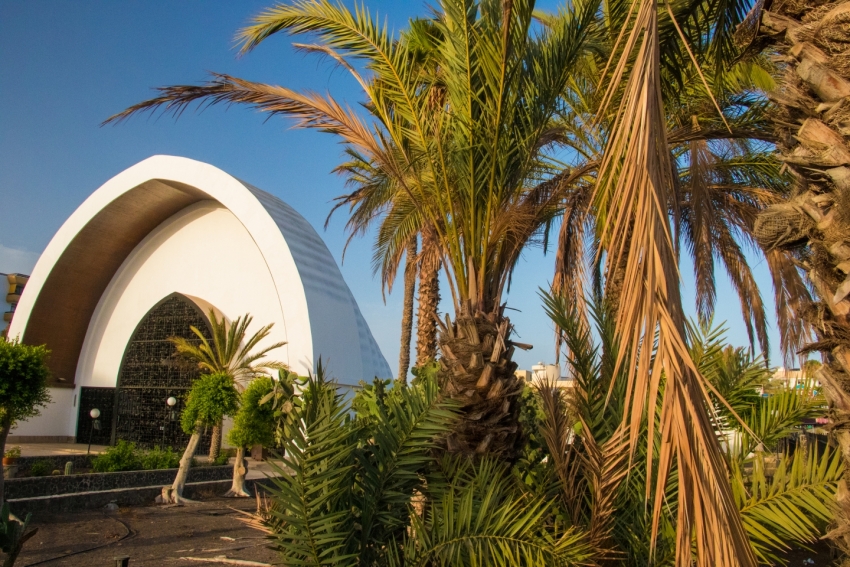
[429, 298]
[407, 313]
[813, 128]
[478, 371]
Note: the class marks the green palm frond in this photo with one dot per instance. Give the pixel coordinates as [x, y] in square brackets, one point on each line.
[793, 505]
[311, 517]
[403, 431]
[480, 519]
[229, 352]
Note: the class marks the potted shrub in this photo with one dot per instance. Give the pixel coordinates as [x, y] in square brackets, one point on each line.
[11, 456]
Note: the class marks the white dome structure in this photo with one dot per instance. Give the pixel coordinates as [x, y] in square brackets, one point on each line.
[174, 227]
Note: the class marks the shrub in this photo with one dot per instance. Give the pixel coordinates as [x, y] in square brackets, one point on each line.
[254, 422]
[41, 468]
[121, 457]
[212, 397]
[158, 458]
[221, 459]
[13, 453]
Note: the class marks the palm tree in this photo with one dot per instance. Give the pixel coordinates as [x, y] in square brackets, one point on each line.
[410, 272]
[812, 224]
[785, 499]
[229, 354]
[470, 168]
[465, 173]
[726, 174]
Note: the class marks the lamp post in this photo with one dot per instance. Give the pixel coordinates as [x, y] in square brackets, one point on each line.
[170, 416]
[95, 424]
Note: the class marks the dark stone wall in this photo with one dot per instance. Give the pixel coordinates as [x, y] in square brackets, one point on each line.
[29, 487]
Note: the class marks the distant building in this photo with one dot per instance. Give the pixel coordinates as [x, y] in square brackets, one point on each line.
[16, 283]
[545, 373]
[788, 376]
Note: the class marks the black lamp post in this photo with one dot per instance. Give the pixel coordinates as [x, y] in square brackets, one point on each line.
[171, 416]
[95, 424]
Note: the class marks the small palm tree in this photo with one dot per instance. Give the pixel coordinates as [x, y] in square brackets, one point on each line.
[230, 354]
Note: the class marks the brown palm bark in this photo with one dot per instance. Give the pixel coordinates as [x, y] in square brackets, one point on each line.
[407, 314]
[813, 123]
[429, 298]
[476, 369]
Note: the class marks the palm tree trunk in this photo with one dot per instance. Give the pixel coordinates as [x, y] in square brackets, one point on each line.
[215, 443]
[477, 369]
[176, 493]
[240, 469]
[814, 104]
[429, 299]
[407, 313]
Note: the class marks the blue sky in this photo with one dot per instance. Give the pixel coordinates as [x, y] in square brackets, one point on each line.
[67, 65]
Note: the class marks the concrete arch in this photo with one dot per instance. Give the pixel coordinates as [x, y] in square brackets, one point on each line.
[137, 219]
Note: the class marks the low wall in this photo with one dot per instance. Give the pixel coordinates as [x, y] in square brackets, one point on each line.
[141, 496]
[38, 486]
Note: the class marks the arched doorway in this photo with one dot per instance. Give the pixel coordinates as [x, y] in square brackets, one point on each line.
[149, 375]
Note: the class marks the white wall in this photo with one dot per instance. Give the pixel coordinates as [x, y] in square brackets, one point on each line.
[54, 419]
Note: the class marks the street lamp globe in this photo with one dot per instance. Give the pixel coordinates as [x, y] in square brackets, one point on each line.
[171, 401]
[94, 413]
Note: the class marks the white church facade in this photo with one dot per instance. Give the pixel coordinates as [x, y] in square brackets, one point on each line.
[147, 254]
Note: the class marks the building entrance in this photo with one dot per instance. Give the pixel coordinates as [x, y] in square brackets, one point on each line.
[149, 375]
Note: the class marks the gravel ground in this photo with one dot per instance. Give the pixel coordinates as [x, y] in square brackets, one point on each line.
[151, 536]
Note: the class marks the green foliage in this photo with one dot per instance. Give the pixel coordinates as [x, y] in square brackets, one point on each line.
[123, 456]
[360, 467]
[13, 533]
[212, 397]
[254, 422]
[285, 402]
[785, 500]
[158, 458]
[23, 380]
[532, 467]
[478, 517]
[41, 468]
[13, 453]
[794, 504]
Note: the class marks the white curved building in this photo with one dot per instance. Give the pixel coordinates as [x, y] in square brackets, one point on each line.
[173, 236]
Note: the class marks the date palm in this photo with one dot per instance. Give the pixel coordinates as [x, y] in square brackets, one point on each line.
[471, 168]
[726, 174]
[812, 224]
[466, 167]
[229, 353]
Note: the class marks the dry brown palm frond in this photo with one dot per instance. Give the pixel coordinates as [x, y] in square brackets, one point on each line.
[557, 431]
[632, 202]
[792, 299]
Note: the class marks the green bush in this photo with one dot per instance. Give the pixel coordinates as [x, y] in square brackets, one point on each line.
[41, 468]
[221, 460]
[158, 458]
[121, 457]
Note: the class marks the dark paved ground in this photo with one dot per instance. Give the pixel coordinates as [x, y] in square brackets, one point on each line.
[151, 536]
[155, 535]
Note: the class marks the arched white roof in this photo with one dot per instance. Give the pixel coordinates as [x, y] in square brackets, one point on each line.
[317, 313]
